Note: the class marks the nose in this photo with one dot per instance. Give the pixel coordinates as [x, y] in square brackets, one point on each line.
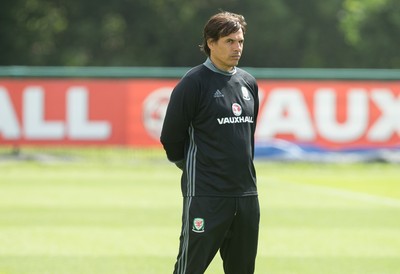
[237, 46]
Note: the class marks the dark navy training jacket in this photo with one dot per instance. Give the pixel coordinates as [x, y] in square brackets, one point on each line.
[209, 130]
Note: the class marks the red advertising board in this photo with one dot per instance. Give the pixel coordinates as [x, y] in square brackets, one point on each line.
[328, 114]
[63, 111]
[331, 114]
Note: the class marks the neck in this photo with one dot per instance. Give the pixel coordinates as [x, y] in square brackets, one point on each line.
[228, 70]
[211, 65]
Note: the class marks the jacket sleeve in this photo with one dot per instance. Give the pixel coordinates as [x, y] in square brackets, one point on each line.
[254, 90]
[180, 112]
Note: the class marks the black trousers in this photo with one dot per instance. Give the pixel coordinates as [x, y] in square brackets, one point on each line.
[209, 224]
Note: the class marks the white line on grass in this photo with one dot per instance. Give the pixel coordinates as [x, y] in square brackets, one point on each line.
[346, 194]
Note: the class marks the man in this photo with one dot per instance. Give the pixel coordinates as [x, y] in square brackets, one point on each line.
[208, 132]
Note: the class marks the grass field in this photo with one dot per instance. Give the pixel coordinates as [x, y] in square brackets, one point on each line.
[120, 212]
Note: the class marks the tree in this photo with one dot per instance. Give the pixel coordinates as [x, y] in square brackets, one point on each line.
[281, 33]
[372, 28]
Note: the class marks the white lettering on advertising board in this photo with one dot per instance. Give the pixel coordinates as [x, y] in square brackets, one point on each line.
[285, 111]
[34, 126]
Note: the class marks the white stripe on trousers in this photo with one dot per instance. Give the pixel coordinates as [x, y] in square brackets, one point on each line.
[182, 260]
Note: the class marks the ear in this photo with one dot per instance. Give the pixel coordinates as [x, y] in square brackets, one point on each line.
[210, 42]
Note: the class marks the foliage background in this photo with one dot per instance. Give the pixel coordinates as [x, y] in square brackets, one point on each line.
[281, 33]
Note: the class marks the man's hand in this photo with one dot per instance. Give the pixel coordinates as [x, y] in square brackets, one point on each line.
[180, 164]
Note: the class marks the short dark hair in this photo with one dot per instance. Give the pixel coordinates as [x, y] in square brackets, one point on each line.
[220, 25]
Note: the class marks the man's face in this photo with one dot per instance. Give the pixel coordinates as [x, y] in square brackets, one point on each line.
[226, 51]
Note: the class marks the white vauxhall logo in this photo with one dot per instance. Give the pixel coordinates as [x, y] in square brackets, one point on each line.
[154, 109]
[236, 109]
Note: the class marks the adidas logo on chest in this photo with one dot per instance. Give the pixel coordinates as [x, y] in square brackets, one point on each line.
[218, 94]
